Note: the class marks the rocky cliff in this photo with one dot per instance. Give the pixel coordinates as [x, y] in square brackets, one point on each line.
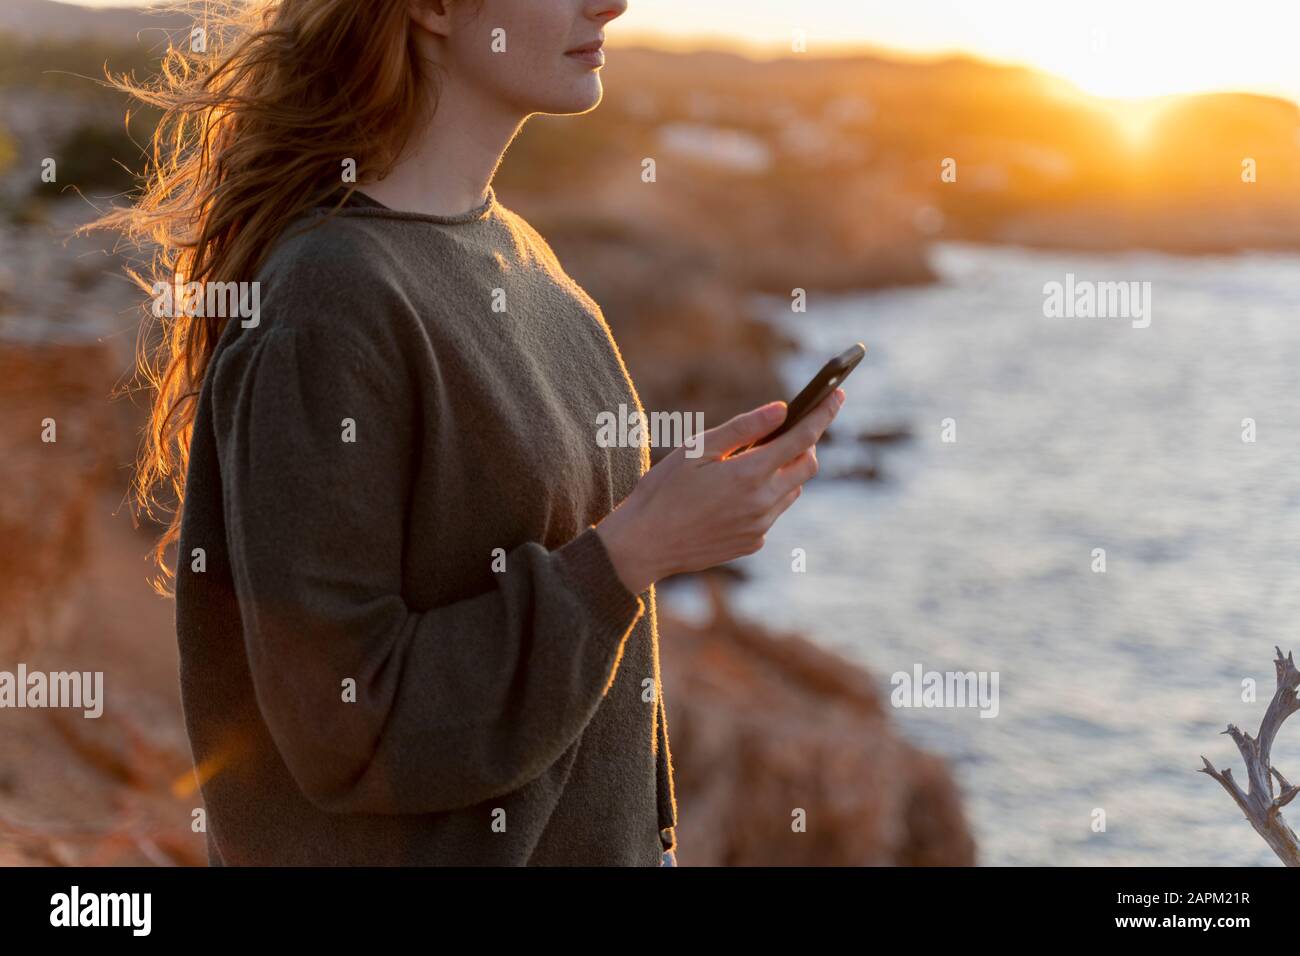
[764, 727]
[785, 755]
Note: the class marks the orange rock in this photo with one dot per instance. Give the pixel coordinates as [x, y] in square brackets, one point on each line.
[49, 485]
[764, 726]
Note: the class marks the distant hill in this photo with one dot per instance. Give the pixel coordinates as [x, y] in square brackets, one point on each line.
[45, 19]
[1034, 160]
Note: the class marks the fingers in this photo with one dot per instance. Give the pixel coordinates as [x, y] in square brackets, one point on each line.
[804, 435]
[795, 473]
[782, 483]
[743, 429]
[784, 502]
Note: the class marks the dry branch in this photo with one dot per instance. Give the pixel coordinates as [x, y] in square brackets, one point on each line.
[1260, 803]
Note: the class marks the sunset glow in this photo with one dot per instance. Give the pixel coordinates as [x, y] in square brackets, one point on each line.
[1110, 48]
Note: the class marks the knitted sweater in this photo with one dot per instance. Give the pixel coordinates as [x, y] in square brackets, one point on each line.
[401, 639]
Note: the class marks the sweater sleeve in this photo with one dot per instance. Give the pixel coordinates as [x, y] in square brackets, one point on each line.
[666, 792]
[376, 707]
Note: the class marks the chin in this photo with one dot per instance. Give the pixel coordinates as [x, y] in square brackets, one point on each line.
[573, 98]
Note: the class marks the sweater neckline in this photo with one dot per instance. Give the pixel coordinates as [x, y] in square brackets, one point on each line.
[359, 203]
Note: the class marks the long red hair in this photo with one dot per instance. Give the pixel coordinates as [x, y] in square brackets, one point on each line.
[258, 122]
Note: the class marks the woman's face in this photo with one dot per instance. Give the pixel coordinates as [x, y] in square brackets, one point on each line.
[527, 53]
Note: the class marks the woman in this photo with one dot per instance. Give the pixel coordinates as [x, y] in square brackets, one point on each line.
[414, 596]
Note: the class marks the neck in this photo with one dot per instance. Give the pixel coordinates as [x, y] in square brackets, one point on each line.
[448, 166]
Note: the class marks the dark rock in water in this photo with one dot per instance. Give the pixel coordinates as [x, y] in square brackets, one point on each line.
[769, 729]
[887, 435]
[868, 472]
[727, 573]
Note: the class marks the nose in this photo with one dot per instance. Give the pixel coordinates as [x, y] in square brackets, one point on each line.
[602, 11]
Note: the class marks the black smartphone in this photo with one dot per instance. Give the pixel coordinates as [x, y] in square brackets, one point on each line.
[833, 373]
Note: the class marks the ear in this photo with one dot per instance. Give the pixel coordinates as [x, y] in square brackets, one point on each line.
[430, 15]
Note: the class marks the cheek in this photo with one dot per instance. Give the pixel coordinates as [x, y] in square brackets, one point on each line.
[482, 59]
[536, 57]
[535, 73]
[532, 74]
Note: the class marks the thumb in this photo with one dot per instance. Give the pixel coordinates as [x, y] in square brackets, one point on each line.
[743, 430]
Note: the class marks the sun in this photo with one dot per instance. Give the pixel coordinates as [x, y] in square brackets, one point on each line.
[1135, 119]
[1142, 52]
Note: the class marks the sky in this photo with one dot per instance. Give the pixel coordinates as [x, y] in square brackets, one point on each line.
[1115, 48]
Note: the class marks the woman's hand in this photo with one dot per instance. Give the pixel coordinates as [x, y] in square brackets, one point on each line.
[686, 514]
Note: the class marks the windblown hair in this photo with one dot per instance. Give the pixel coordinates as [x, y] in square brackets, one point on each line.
[256, 127]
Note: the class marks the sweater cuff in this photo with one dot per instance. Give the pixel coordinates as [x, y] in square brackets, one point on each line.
[591, 575]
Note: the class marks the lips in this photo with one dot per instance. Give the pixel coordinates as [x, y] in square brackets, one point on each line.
[590, 53]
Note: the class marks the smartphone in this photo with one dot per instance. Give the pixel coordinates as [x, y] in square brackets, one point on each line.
[833, 373]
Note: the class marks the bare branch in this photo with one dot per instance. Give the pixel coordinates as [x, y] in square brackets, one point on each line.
[1261, 808]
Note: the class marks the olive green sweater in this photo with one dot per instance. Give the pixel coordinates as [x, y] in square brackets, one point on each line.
[401, 639]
